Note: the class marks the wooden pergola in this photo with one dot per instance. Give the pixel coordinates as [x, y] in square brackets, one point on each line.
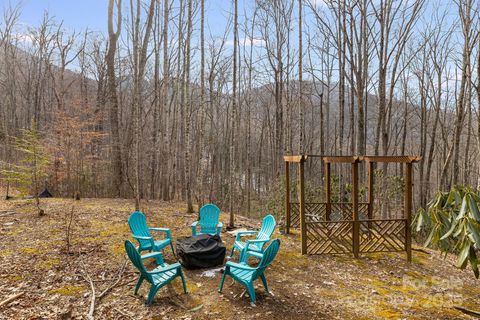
[320, 234]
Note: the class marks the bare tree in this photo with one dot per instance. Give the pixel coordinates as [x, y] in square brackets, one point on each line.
[112, 93]
[188, 108]
[139, 57]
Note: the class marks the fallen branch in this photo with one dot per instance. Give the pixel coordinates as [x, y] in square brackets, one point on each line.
[240, 295]
[172, 296]
[421, 250]
[11, 298]
[123, 313]
[7, 213]
[94, 296]
[113, 285]
[472, 313]
[87, 278]
[196, 308]
[181, 306]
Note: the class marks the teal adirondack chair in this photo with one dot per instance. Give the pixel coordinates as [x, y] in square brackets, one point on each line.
[208, 223]
[246, 275]
[158, 277]
[141, 233]
[255, 247]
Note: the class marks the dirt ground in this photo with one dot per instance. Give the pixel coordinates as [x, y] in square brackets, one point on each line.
[33, 260]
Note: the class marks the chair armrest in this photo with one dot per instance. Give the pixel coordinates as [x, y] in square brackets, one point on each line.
[176, 265]
[247, 254]
[150, 255]
[194, 228]
[141, 237]
[242, 266]
[257, 241]
[138, 238]
[165, 230]
[243, 233]
[247, 244]
[160, 229]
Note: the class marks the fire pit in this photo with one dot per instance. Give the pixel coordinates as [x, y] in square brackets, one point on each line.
[202, 251]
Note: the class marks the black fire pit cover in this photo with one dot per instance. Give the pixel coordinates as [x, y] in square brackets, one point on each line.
[202, 251]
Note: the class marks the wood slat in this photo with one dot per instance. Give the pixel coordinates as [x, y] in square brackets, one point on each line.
[382, 235]
[295, 158]
[329, 237]
[342, 159]
[397, 159]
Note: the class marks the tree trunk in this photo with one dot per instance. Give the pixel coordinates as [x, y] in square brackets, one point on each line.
[112, 96]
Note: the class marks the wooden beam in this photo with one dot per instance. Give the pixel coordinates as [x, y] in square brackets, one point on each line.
[342, 159]
[296, 158]
[328, 192]
[356, 222]
[303, 226]
[393, 159]
[287, 197]
[408, 210]
[370, 189]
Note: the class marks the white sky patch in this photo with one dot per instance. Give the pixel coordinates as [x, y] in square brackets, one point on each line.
[23, 38]
[248, 42]
[320, 3]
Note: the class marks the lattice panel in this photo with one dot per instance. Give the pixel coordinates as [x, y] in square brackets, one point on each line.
[363, 211]
[314, 211]
[341, 211]
[382, 235]
[294, 215]
[332, 237]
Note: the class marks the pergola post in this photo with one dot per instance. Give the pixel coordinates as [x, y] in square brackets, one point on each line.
[370, 195]
[303, 226]
[328, 192]
[356, 222]
[408, 210]
[287, 197]
[370, 190]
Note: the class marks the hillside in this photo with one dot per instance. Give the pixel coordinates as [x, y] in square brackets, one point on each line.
[377, 286]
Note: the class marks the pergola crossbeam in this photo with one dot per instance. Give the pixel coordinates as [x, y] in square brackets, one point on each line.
[392, 159]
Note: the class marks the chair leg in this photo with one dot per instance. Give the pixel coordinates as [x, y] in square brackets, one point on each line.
[139, 283]
[231, 253]
[151, 294]
[183, 281]
[223, 280]
[251, 292]
[171, 246]
[264, 281]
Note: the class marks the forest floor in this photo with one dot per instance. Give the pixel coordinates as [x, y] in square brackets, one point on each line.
[33, 260]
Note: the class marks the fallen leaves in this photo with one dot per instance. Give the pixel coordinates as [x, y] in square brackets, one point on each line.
[32, 260]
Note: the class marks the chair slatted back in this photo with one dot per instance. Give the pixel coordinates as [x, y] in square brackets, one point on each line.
[138, 225]
[134, 256]
[268, 226]
[209, 215]
[269, 254]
